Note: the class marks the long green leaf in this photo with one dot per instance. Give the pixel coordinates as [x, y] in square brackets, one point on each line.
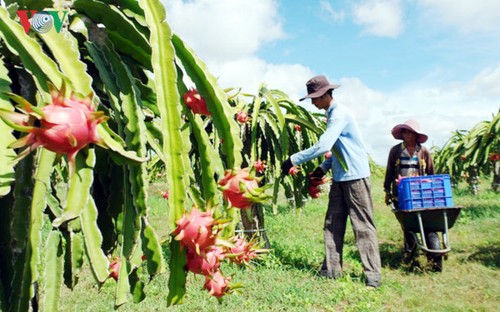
[29, 273]
[302, 122]
[73, 257]
[19, 236]
[93, 240]
[122, 285]
[216, 99]
[6, 154]
[53, 271]
[79, 187]
[152, 248]
[208, 158]
[177, 281]
[153, 141]
[255, 119]
[120, 155]
[136, 286]
[129, 240]
[168, 100]
[122, 31]
[281, 121]
[64, 48]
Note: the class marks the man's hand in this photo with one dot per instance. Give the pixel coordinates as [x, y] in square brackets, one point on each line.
[317, 173]
[388, 199]
[285, 166]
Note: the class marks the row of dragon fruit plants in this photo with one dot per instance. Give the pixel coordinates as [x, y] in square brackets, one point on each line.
[86, 107]
[471, 154]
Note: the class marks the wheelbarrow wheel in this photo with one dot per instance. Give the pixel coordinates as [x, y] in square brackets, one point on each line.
[410, 247]
[435, 260]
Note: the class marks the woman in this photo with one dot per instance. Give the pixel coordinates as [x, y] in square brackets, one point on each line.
[408, 158]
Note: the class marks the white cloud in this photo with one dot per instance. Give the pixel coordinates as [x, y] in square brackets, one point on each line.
[486, 84]
[225, 29]
[330, 14]
[383, 18]
[248, 73]
[355, 94]
[441, 109]
[468, 16]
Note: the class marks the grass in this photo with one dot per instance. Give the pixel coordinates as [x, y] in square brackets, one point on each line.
[287, 278]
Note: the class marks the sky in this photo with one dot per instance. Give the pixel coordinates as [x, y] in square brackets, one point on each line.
[435, 61]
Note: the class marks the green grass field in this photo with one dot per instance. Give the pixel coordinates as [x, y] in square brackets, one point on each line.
[286, 279]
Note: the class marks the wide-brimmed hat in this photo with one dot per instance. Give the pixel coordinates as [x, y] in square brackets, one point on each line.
[317, 86]
[411, 125]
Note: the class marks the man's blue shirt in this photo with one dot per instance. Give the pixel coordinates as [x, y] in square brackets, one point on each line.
[343, 133]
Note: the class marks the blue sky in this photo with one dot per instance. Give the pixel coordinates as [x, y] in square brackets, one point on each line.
[437, 61]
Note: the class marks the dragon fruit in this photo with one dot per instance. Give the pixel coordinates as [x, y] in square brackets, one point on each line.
[195, 230]
[196, 102]
[241, 188]
[242, 252]
[217, 284]
[259, 166]
[293, 171]
[64, 126]
[298, 128]
[207, 262]
[314, 186]
[114, 268]
[242, 117]
[494, 157]
[166, 195]
[314, 191]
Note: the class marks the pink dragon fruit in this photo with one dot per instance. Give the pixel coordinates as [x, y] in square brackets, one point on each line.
[259, 166]
[243, 251]
[166, 195]
[217, 284]
[293, 171]
[314, 184]
[196, 102]
[314, 191]
[493, 157]
[64, 126]
[195, 230]
[207, 262]
[242, 117]
[241, 188]
[114, 268]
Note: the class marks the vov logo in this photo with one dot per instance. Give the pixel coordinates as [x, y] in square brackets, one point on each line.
[43, 21]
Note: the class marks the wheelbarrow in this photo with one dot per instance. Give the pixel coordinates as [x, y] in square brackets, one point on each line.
[421, 222]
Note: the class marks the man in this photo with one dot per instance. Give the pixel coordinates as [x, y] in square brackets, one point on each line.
[350, 193]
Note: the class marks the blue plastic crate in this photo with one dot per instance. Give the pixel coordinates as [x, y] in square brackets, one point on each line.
[425, 192]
